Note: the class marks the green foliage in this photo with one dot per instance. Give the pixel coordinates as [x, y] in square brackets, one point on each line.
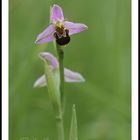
[53, 82]
[73, 128]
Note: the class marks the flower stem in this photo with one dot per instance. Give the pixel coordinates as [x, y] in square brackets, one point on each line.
[59, 117]
[61, 69]
[60, 126]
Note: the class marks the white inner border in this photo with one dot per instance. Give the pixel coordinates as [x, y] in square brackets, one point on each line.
[134, 68]
[5, 86]
[5, 76]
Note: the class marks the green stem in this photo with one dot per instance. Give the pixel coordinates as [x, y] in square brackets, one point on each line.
[59, 118]
[61, 69]
[53, 2]
[60, 126]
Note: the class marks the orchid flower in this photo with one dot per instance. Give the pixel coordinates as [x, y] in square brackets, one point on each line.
[59, 29]
[69, 75]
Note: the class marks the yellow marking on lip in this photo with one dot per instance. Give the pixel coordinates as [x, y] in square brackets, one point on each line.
[59, 24]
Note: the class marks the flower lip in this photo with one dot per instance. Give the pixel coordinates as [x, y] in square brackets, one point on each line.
[62, 37]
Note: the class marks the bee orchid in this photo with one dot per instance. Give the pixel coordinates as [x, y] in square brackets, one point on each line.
[69, 76]
[59, 29]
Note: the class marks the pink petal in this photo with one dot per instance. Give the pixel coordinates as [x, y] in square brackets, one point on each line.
[71, 76]
[46, 36]
[57, 13]
[40, 82]
[50, 58]
[74, 28]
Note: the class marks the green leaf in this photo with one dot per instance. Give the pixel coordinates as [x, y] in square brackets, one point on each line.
[53, 82]
[73, 129]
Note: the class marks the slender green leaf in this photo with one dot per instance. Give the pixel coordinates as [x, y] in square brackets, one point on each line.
[73, 129]
[53, 82]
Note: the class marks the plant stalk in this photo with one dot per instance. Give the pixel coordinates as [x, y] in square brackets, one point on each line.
[60, 126]
[59, 116]
[61, 69]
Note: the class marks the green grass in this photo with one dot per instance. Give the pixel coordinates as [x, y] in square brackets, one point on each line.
[102, 54]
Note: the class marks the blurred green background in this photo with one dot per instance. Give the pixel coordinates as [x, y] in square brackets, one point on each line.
[102, 54]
